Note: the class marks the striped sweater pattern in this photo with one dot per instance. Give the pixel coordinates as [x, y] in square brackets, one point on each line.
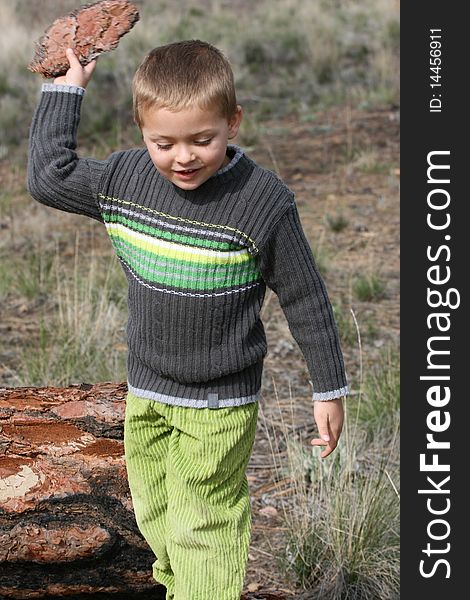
[197, 263]
[173, 255]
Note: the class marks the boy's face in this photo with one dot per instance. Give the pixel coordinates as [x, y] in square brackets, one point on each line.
[188, 146]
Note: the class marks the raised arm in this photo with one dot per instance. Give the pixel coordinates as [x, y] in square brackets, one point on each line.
[57, 177]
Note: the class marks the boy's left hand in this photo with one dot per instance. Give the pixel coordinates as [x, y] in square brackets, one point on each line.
[329, 417]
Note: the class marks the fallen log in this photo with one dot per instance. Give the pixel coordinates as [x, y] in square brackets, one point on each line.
[67, 526]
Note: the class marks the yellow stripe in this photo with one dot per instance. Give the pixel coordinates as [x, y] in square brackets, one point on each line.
[177, 251]
[161, 214]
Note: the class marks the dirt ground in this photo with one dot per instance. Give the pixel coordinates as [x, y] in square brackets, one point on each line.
[342, 162]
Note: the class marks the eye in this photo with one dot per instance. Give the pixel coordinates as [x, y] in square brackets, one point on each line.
[203, 142]
[164, 146]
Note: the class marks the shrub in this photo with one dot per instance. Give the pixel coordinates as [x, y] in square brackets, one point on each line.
[369, 288]
[336, 222]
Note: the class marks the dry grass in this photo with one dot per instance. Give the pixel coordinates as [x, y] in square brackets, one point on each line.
[341, 515]
[81, 310]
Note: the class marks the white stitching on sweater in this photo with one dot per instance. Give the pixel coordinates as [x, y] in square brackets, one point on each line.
[176, 218]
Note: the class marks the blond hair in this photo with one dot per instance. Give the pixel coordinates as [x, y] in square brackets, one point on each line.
[181, 74]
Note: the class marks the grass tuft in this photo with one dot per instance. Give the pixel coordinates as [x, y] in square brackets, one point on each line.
[345, 324]
[369, 288]
[380, 404]
[336, 222]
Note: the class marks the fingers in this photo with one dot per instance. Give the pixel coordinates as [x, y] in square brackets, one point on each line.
[329, 419]
[72, 58]
[324, 429]
[76, 64]
[90, 67]
[329, 445]
[76, 74]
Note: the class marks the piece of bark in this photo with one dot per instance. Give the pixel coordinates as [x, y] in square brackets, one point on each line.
[90, 31]
[67, 525]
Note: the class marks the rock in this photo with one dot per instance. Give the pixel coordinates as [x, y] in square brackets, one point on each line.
[268, 511]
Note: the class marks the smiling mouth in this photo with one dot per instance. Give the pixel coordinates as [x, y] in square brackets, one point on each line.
[186, 171]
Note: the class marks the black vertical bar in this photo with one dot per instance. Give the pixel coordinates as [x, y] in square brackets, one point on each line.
[434, 258]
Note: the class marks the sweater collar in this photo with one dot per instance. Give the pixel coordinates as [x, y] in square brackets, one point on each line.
[234, 153]
[239, 166]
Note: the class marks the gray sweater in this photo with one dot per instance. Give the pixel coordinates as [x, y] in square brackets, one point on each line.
[197, 263]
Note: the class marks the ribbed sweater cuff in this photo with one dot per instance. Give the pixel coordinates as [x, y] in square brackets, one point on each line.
[333, 395]
[63, 87]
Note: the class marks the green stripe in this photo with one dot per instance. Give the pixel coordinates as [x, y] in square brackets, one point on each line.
[189, 268]
[209, 277]
[169, 235]
[180, 282]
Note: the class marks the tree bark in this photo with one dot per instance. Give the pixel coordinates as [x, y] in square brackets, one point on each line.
[67, 526]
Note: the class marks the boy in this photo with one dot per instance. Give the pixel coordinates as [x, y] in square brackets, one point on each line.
[200, 229]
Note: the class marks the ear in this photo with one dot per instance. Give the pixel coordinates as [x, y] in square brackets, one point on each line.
[234, 123]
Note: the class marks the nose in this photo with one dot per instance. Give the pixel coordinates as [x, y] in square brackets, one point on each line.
[184, 155]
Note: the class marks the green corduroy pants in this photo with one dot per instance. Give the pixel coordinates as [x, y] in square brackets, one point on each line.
[187, 476]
